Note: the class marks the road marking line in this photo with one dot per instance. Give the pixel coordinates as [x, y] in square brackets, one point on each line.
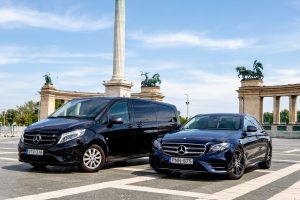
[6, 148]
[161, 191]
[262, 170]
[292, 192]
[254, 184]
[7, 152]
[291, 151]
[9, 159]
[82, 189]
[286, 161]
[134, 169]
[286, 154]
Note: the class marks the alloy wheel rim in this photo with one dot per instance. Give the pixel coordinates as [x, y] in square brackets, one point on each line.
[92, 158]
[237, 165]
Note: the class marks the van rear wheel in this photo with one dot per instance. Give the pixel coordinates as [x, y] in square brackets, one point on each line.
[92, 159]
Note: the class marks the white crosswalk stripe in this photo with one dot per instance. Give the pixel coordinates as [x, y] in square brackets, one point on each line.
[291, 193]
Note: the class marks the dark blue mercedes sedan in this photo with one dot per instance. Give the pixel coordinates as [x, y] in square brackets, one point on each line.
[214, 143]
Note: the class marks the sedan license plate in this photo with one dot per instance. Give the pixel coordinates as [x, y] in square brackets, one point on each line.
[181, 161]
[36, 152]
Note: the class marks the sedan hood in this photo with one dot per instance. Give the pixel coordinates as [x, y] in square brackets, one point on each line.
[58, 125]
[200, 136]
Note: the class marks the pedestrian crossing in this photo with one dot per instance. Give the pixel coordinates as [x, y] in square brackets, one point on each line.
[139, 179]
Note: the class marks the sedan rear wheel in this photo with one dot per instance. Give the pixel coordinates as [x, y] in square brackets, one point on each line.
[93, 159]
[237, 165]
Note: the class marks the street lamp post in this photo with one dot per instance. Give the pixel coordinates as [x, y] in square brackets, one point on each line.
[187, 106]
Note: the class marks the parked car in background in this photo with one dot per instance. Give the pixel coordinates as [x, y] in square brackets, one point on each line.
[91, 131]
[214, 143]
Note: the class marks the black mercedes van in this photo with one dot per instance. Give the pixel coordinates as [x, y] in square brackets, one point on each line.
[91, 131]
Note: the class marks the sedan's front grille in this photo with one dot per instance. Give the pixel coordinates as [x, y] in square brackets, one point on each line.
[40, 140]
[183, 149]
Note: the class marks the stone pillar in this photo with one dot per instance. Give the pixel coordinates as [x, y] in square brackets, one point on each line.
[47, 104]
[261, 111]
[119, 41]
[293, 109]
[276, 110]
[241, 104]
[118, 86]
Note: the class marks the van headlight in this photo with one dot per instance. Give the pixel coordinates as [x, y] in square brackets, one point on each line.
[156, 145]
[65, 137]
[219, 147]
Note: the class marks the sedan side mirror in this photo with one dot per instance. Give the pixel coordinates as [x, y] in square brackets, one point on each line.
[251, 129]
[116, 120]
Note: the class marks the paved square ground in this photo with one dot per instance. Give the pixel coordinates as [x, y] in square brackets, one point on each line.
[136, 180]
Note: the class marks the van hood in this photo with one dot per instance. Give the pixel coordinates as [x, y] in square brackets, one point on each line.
[59, 125]
[201, 136]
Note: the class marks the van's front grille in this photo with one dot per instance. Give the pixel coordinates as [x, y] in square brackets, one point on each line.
[183, 149]
[40, 140]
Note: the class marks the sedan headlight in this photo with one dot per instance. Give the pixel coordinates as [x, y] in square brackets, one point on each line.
[219, 147]
[156, 145]
[65, 137]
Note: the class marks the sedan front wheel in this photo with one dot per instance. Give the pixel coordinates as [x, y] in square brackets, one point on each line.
[237, 165]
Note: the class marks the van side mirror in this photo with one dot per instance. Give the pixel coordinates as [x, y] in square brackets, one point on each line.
[251, 129]
[116, 120]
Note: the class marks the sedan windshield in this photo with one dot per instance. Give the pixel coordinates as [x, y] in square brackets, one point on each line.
[81, 108]
[215, 122]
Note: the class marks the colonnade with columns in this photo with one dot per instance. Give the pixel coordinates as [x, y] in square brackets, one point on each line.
[252, 94]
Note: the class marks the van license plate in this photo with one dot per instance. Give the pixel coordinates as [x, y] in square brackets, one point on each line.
[36, 152]
[181, 161]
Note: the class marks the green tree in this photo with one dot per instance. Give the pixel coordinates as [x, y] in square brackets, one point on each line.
[28, 113]
[284, 116]
[11, 115]
[298, 116]
[182, 120]
[268, 118]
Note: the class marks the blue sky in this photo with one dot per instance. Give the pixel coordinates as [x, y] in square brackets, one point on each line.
[195, 45]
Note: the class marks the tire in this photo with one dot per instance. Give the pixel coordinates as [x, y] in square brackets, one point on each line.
[266, 164]
[163, 171]
[237, 165]
[92, 159]
[38, 165]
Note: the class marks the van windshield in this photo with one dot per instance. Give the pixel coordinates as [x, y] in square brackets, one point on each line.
[215, 122]
[81, 108]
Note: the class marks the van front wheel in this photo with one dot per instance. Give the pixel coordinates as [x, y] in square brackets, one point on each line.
[93, 159]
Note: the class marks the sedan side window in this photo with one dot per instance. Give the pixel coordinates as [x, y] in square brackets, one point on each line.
[119, 109]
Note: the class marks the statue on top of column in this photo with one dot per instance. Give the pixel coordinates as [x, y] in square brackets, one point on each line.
[48, 80]
[150, 82]
[255, 74]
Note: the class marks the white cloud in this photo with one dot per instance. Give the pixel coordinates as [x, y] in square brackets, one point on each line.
[11, 17]
[13, 55]
[188, 39]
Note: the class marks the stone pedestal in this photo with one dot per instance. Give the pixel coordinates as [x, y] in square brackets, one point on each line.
[47, 103]
[115, 88]
[252, 83]
[151, 93]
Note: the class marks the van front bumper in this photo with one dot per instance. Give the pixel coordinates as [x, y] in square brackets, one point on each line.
[66, 154]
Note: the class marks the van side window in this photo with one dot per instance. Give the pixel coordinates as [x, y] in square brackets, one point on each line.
[143, 111]
[165, 114]
[119, 109]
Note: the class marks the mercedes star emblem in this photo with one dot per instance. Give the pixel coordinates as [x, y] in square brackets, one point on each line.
[36, 139]
[181, 150]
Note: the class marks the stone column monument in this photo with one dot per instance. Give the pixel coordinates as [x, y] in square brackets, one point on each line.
[118, 86]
